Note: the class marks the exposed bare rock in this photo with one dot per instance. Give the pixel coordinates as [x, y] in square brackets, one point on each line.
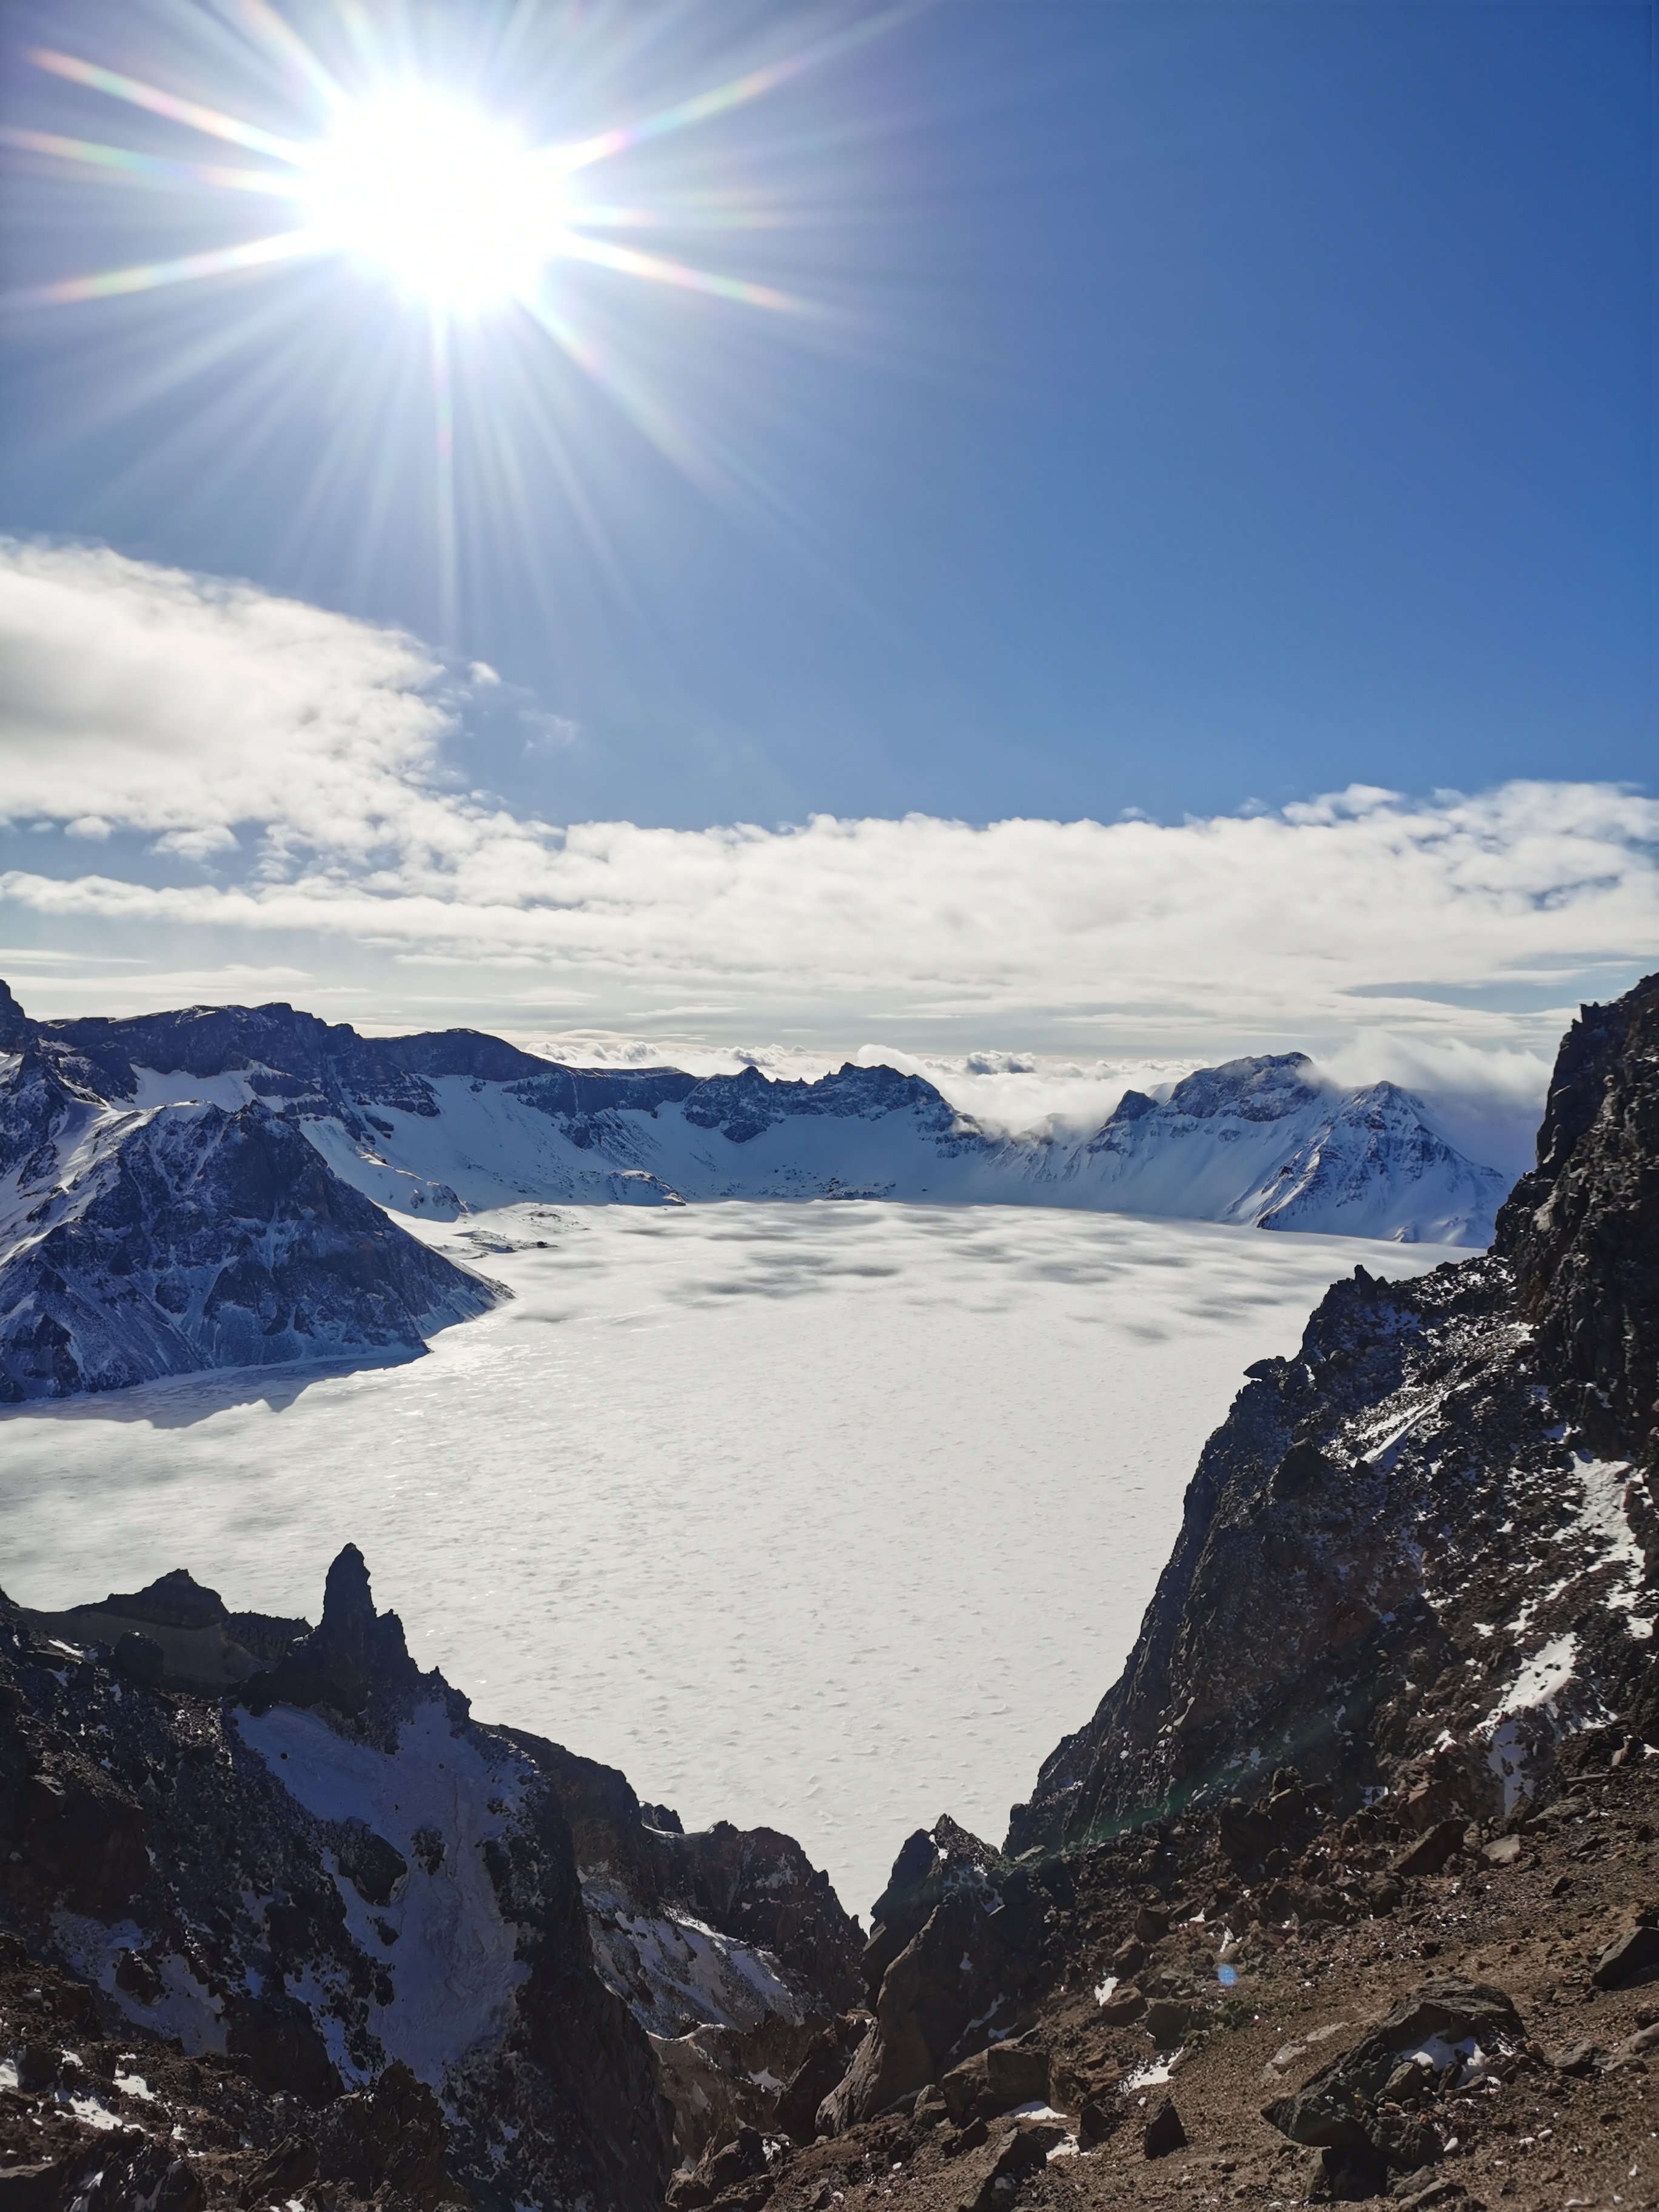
[331, 1883]
[730, 1948]
[1459, 1562]
[1582, 1231]
[140, 1243]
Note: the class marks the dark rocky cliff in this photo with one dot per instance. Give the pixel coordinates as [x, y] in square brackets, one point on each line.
[1582, 1231]
[340, 1932]
[1428, 1527]
[139, 1244]
[204, 1239]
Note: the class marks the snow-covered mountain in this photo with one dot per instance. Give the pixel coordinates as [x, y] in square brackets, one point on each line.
[187, 1189]
[140, 1240]
[1255, 1141]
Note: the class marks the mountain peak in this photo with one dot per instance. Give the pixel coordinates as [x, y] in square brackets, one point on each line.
[14, 1024]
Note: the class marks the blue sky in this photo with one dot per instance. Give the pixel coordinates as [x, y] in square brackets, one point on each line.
[1016, 537]
[1206, 405]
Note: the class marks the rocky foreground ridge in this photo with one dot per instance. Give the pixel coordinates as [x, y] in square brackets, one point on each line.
[1349, 1889]
[281, 1921]
[220, 1186]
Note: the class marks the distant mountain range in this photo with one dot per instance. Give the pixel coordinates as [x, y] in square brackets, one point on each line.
[193, 1189]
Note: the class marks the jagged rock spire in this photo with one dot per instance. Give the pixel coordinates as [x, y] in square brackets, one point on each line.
[352, 1652]
[15, 1024]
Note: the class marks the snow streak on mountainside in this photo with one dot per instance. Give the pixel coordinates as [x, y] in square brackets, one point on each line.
[186, 1190]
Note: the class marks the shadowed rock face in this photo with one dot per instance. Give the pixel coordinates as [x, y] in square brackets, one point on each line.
[352, 1652]
[1582, 1231]
[1439, 1491]
[192, 1238]
[728, 1946]
[334, 1880]
[293, 1852]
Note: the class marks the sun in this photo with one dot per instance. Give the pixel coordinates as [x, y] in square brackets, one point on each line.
[448, 202]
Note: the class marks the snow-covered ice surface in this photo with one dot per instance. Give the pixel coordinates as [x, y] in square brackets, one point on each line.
[830, 1516]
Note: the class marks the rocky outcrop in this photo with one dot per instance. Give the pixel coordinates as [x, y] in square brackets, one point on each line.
[1443, 1491]
[1582, 1231]
[189, 1237]
[176, 1635]
[287, 1854]
[1365, 2110]
[331, 1880]
[730, 1948]
[958, 1946]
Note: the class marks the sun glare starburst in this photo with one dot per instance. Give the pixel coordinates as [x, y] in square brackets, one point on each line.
[452, 206]
[447, 200]
[400, 172]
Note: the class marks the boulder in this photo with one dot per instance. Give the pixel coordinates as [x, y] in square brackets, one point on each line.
[1100, 2117]
[1432, 1849]
[1633, 1958]
[996, 2080]
[1336, 2110]
[1168, 2020]
[994, 2171]
[1164, 2131]
[1123, 2008]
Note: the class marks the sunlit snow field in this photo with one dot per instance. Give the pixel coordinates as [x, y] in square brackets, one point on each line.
[831, 1516]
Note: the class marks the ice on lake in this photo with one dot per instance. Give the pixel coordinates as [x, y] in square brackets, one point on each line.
[829, 1518]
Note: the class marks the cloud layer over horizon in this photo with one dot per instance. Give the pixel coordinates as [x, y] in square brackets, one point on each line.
[288, 767]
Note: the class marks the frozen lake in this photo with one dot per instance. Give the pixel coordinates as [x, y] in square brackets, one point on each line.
[828, 1517]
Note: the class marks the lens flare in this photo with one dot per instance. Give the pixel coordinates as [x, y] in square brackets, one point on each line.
[431, 253]
[449, 204]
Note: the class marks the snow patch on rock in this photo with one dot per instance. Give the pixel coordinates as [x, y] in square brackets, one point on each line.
[438, 1799]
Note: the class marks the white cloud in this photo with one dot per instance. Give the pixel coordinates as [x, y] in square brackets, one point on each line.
[548, 733]
[184, 705]
[1485, 1102]
[1133, 923]
[190, 710]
